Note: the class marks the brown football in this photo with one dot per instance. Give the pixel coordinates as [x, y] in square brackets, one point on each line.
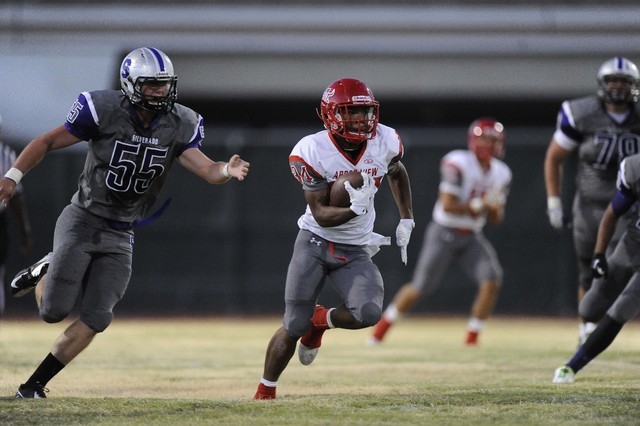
[339, 197]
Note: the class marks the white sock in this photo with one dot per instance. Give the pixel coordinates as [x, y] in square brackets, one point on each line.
[588, 327]
[268, 383]
[391, 314]
[475, 324]
[329, 323]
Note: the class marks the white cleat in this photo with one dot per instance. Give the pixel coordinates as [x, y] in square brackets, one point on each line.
[564, 374]
[372, 341]
[306, 355]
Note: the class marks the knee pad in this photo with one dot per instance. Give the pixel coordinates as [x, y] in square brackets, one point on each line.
[592, 309]
[370, 314]
[53, 314]
[97, 321]
[297, 321]
[625, 308]
[52, 317]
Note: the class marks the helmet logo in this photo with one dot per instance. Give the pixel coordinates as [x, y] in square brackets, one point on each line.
[125, 68]
[328, 94]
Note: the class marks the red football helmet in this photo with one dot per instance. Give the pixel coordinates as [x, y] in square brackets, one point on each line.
[487, 128]
[349, 110]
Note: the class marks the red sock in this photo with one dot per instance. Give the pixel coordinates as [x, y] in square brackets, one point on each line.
[265, 392]
[381, 329]
[319, 319]
[472, 338]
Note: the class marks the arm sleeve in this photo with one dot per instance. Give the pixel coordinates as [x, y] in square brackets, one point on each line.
[82, 119]
[625, 197]
[196, 138]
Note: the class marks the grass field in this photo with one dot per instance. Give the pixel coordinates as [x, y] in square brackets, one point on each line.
[205, 370]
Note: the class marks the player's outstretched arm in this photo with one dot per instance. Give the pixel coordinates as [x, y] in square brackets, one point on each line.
[214, 172]
[31, 155]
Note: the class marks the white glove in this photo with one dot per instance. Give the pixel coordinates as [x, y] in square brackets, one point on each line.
[554, 211]
[403, 235]
[495, 197]
[361, 198]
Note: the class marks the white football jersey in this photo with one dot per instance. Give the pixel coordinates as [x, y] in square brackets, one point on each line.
[316, 162]
[462, 176]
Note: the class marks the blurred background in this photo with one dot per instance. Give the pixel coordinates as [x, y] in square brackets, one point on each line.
[256, 70]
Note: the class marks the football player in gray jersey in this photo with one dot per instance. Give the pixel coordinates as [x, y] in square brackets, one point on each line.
[603, 129]
[614, 297]
[134, 136]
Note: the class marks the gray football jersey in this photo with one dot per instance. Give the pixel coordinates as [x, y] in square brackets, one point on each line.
[603, 143]
[126, 165]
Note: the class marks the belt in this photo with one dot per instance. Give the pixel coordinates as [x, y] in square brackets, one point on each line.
[118, 225]
[126, 226]
[462, 231]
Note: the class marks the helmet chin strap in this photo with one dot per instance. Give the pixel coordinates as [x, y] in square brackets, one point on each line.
[350, 149]
[345, 144]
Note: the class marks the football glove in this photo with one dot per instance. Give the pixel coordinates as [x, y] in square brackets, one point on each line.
[495, 197]
[361, 198]
[403, 235]
[554, 211]
[599, 266]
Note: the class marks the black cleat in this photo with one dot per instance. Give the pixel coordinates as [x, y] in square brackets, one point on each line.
[27, 279]
[35, 391]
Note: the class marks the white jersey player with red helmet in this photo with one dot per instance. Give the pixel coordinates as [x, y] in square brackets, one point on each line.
[316, 162]
[473, 190]
[332, 244]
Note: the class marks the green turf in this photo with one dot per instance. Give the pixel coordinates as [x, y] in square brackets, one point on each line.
[205, 370]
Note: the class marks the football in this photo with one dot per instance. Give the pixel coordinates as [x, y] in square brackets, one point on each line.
[339, 197]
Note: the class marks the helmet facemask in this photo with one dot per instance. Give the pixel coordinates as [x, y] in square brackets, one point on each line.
[618, 81]
[355, 123]
[155, 103]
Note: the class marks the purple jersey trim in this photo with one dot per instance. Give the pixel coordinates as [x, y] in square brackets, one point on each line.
[622, 201]
[196, 139]
[80, 121]
[568, 129]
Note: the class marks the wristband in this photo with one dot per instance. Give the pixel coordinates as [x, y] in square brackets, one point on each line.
[554, 202]
[14, 174]
[225, 171]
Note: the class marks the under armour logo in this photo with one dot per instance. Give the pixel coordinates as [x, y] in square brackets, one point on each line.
[314, 241]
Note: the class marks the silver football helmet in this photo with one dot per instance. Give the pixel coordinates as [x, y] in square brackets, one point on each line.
[148, 65]
[618, 68]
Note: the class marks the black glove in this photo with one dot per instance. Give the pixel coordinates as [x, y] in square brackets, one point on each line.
[599, 266]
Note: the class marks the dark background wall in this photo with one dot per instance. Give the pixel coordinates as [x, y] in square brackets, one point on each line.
[224, 250]
[256, 71]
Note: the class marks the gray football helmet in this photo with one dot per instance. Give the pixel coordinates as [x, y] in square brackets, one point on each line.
[618, 68]
[148, 65]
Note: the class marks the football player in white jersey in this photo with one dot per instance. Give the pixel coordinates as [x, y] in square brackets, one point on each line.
[473, 189]
[603, 129]
[134, 136]
[335, 244]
